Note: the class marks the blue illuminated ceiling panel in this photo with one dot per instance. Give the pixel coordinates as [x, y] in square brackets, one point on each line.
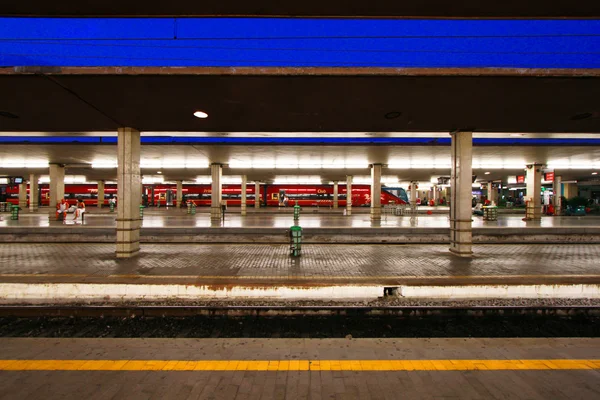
[285, 42]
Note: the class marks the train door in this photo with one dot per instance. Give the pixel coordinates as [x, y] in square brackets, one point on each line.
[169, 198]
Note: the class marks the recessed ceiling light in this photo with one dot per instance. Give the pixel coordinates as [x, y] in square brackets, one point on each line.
[594, 173]
[200, 114]
[487, 173]
[159, 172]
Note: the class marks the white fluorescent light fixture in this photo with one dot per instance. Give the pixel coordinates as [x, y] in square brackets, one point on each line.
[201, 114]
[24, 164]
[75, 179]
[203, 179]
[231, 179]
[104, 164]
[295, 180]
[44, 179]
[152, 179]
[3, 181]
[476, 185]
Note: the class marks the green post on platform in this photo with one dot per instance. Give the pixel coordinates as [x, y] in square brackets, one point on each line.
[112, 206]
[141, 211]
[295, 240]
[15, 213]
[296, 212]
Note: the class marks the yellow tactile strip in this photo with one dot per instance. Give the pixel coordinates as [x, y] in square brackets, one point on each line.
[296, 365]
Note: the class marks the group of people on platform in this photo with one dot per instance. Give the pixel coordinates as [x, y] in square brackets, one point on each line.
[63, 208]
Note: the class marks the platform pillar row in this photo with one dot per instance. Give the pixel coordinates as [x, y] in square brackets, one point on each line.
[436, 193]
[349, 195]
[100, 194]
[335, 194]
[413, 193]
[492, 193]
[129, 193]
[57, 187]
[23, 195]
[33, 192]
[243, 195]
[216, 173]
[557, 190]
[534, 190]
[376, 192]
[256, 194]
[461, 177]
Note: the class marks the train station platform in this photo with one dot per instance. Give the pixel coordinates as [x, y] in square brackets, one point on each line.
[60, 272]
[175, 226]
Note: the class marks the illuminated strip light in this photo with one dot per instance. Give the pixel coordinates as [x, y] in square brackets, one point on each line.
[294, 165]
[153, 179]
[104, 165]
[395, 165]
[574, 166]
[24, 164]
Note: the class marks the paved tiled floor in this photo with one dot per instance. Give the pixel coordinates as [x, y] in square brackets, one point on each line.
[175, 218]
[318, 262]
[290, 383]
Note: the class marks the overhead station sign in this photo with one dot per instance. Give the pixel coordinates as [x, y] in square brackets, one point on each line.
[549, 176]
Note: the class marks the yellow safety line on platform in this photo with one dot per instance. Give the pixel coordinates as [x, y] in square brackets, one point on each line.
[295, 365]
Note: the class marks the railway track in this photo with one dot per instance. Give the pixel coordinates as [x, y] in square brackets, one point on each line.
[292, 311]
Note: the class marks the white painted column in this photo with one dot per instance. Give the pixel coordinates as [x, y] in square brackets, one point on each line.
[216, 172]
[435, 195]
[256, 194]
[557, 189]
[100, 194]
[335, 194]
[57, 187]
[349, 195]
[376, 192]
[413, 193]
[179, 194]
[534, 191]
[243, 195]
[461, 240]
[492, 193]
[129, 191]
[23, 195]
[33, 192]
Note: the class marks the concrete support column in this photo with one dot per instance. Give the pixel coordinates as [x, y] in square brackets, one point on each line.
[33, 192]
[216, 172]
[435, 196]
[243, 195]
[129, 191]
[23, 195]
[492, 192]
[534, 191]
[461, 240]
[348, 195]
[557, 189]
[57, 187]
[335, 194]
[179, 194]
[376, 192]
[256, 194]
[100, 194]
[570, 190]
[413, 193]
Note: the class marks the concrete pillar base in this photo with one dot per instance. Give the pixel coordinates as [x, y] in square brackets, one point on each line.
[215, 213]
[243, 210]
[375, 214]
[128, 238]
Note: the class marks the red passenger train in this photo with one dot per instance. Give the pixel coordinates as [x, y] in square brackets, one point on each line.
[200, 194]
